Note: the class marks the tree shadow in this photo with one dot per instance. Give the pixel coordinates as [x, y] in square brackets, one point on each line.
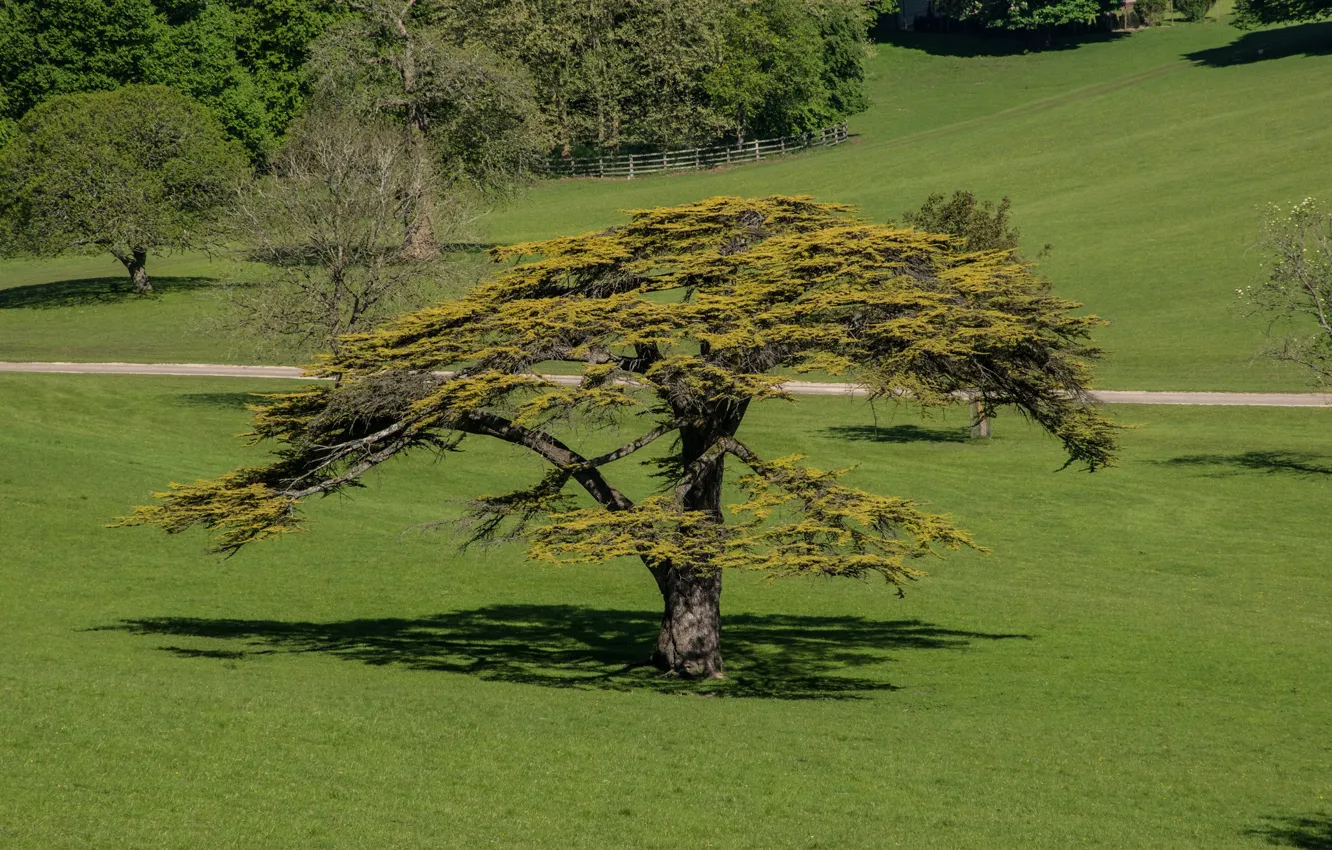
[1298, 463]
[92, 291]
[970, 43]
[1308, 39]
[230, 401]
[570, 646]
[1312, 832]
[899, 434]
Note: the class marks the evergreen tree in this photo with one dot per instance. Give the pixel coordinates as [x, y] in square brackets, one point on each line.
[679, 320]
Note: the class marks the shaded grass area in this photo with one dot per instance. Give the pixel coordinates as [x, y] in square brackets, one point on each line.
[1307, 40]
[1274, 461]
[1309, 832]
[83, 309]
[93, 290]
[771, 656]
[1141, 662]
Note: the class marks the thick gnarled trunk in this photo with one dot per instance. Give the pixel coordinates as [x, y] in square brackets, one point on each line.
[136, 263]
[689, 644]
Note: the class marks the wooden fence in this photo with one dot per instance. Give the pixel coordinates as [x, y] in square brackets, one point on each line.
[634, 165]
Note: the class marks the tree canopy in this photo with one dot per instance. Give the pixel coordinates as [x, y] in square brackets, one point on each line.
[605, 74]
[678, 320]
[241, 58]
[1026, 15]
[1256, 13]
[131, 171]
[406, 60]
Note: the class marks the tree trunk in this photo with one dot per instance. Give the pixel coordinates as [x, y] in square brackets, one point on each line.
[689, 644]
[136, 263]
[420, 242]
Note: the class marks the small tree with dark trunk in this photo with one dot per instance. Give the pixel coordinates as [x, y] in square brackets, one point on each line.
[133, 172]
[680, 316]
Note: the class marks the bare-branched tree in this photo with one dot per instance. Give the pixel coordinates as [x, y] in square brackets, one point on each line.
[1296, 298]
[330, 223]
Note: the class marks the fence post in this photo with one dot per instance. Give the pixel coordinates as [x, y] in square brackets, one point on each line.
[756, 150]
[601, 168]
[631, 167]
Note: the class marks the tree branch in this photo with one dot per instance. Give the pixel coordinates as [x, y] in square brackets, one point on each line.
[629, 448]
[552, 450]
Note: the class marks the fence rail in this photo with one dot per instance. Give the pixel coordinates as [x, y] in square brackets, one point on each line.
[634, 165]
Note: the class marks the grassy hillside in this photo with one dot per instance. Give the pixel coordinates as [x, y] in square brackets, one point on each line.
[1140, 663]
[1145, 160]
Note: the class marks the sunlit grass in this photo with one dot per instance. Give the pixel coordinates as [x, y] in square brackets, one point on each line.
[1140, 663]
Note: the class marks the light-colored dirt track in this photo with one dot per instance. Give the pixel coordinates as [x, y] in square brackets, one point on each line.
[796, 387]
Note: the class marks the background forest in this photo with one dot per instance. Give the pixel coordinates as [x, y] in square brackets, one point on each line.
[605, 75]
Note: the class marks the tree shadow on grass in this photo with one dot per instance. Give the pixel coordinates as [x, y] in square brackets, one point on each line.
[91, 291]
[1312, 832]
[568, 646]
[989, 42]
[898, 434]
[1296, 463]
[1308, 39]
[230, 401]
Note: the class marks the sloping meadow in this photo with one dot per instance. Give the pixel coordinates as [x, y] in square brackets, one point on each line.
[1139, 662]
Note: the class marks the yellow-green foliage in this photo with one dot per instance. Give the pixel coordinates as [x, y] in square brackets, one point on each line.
[234, 504]
[680, 318]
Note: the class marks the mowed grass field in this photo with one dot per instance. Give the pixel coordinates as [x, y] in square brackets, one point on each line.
[1141, 661]
[1145, 160]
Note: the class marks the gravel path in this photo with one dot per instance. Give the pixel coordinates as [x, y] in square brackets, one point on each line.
[796, 387]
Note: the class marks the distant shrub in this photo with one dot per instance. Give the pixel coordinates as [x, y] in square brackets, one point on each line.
[1193, 10]
[1150, 12]
[983, 225]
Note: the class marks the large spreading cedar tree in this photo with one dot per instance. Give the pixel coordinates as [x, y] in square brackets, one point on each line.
[683, 316]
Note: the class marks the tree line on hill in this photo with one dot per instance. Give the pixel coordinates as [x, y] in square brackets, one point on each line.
[598, 74]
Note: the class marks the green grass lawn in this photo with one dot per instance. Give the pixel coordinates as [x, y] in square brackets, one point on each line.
[1141, 662]
[82, 309]
[1145, 160]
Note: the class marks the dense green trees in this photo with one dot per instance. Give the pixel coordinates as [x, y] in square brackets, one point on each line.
[605, 74]
[241, 58]
[1026, 15]
[132, 171]
[663, 73]
[1255, 13]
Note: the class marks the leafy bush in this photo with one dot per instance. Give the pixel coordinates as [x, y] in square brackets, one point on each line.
[1193, 10]
[1150, 12]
